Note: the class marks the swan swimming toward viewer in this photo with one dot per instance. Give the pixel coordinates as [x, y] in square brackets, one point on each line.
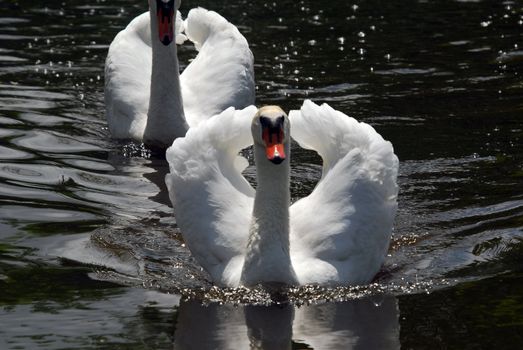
[338, 235]
[146, 98]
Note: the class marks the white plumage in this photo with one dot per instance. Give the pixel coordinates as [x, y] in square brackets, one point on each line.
[338, 235]
[144, 90]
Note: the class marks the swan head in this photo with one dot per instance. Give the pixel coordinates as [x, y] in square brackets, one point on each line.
[270, 130]
[165, 12]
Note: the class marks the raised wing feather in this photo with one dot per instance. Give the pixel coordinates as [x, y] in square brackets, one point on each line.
[212, 200]
[341, 231]
[222, 75]
[128, 79]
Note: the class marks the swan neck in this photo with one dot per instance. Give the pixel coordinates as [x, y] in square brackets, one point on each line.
[165, 117]
[272, 191]
[268, 251]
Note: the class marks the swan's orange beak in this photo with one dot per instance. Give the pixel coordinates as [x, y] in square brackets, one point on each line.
[274, 149]
[165, 15]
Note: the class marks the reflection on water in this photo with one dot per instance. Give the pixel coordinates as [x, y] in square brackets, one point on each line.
[370, 323]
[85, 221]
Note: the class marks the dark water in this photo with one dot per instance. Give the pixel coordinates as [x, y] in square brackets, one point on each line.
[85, 223]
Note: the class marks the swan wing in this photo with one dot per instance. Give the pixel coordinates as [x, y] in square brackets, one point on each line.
[128, 77]
[212, 200]
[222, 74]
[341, 231]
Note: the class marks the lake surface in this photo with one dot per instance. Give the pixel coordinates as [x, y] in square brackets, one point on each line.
[90, 256]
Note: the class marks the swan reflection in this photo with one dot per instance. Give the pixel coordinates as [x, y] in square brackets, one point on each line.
[369, 323]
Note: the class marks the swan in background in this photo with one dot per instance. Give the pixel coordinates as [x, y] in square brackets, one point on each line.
[338, 235]
[143, 88]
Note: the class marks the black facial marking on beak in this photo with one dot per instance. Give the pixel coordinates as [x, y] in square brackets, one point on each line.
[273, 137]
[165, 14]
[274, 126]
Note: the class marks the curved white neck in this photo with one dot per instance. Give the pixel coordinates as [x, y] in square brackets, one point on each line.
[267, 257]
[165, 117]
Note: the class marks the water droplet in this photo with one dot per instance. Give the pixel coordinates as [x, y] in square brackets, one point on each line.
[387, 56]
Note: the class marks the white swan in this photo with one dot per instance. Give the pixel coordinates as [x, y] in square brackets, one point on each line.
[338, 235]
[143, 88]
